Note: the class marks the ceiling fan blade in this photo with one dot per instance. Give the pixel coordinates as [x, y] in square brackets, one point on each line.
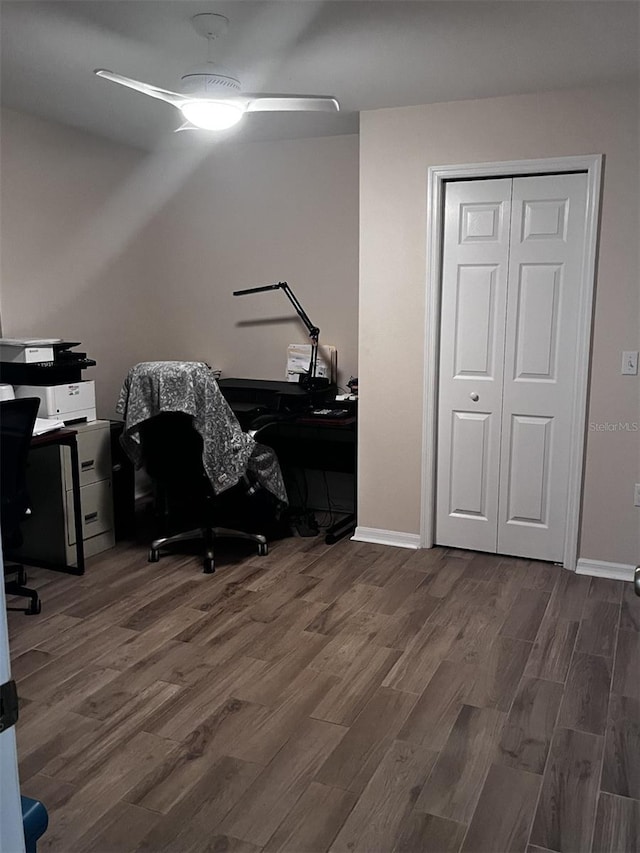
[146, 88]
[275, 103]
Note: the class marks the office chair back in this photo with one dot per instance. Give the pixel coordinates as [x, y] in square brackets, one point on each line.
[17, 418]
[172, 457]
[171, 446]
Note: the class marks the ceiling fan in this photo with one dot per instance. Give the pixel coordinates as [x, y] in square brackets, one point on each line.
[211, 98]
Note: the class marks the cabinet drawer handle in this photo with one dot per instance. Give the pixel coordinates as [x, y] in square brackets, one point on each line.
[92, 516]
[89, 463]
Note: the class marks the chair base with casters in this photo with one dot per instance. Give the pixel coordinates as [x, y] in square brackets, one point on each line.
[184, 500]
[207, 535]
[17, 587]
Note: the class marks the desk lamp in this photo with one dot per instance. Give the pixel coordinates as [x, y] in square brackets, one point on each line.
[310, 382]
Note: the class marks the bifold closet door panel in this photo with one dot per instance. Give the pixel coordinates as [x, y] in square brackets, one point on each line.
[472, 339]
[545, 274]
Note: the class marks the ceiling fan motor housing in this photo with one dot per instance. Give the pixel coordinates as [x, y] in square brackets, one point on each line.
[210, 80]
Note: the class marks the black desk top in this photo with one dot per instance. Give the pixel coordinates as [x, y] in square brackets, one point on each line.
[54, 436]
[250, 398]
[243, 389]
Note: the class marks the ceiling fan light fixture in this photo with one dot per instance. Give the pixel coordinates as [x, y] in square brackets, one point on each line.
[211, 115]
[211, 97]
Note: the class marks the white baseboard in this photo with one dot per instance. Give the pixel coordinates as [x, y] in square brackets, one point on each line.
[602, 569]
[386, 537]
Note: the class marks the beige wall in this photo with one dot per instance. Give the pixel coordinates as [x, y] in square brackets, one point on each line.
[75, 258]
[136, 254]
[396, 148]
[256, 214]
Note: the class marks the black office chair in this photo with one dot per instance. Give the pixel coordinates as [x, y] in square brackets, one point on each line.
[17, 418]
[172, 456]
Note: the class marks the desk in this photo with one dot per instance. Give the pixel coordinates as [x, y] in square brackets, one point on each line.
[298, 440]
[271, 394]
[323, 446]
[68, 438]
[250, 398]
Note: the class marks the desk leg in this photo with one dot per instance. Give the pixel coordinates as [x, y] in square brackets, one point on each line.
[347, 525]
[340, 528]
[77, 506]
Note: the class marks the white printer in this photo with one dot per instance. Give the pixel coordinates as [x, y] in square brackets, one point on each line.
[71, 402]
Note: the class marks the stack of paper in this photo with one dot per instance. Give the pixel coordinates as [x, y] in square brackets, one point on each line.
[299, 356]
[43, 425]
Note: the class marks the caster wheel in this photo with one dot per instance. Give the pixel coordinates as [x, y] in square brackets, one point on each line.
[263, 549]
[154, 556]
[34, 609]
[209, 566]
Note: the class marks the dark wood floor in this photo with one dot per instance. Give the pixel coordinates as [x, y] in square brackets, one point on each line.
[346, 698]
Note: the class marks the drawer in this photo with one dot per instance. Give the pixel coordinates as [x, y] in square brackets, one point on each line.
[97, 510]
[94, 456]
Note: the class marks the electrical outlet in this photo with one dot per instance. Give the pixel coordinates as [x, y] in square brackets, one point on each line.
[630, 363]
[636, 495]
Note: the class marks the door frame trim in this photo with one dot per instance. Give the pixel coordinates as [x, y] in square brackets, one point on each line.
[436, 181]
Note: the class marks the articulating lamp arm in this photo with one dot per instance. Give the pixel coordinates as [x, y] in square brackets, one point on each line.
[314, 331]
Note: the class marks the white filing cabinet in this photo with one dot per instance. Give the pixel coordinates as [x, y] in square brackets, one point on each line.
[49, 532]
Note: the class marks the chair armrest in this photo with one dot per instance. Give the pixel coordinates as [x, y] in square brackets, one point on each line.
[264, 421]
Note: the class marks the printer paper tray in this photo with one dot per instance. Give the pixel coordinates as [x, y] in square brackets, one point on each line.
[43, 374]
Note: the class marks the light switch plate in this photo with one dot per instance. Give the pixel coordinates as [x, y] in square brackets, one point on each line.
[630, 363]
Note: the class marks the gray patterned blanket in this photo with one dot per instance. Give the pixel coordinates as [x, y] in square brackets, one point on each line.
[228, 453]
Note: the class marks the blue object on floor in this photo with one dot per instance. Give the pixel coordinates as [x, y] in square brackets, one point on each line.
[35, 820]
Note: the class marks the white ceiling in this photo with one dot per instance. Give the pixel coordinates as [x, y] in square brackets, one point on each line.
[368, 54]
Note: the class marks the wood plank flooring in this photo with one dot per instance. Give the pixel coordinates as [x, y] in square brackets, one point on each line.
[338, 698]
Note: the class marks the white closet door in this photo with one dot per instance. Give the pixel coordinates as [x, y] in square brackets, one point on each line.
[475, 263]
[545, 272]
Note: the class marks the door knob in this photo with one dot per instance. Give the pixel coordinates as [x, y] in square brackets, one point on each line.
[475, 397]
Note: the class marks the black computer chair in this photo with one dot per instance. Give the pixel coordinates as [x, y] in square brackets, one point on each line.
[17, 418]
[172, 456]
